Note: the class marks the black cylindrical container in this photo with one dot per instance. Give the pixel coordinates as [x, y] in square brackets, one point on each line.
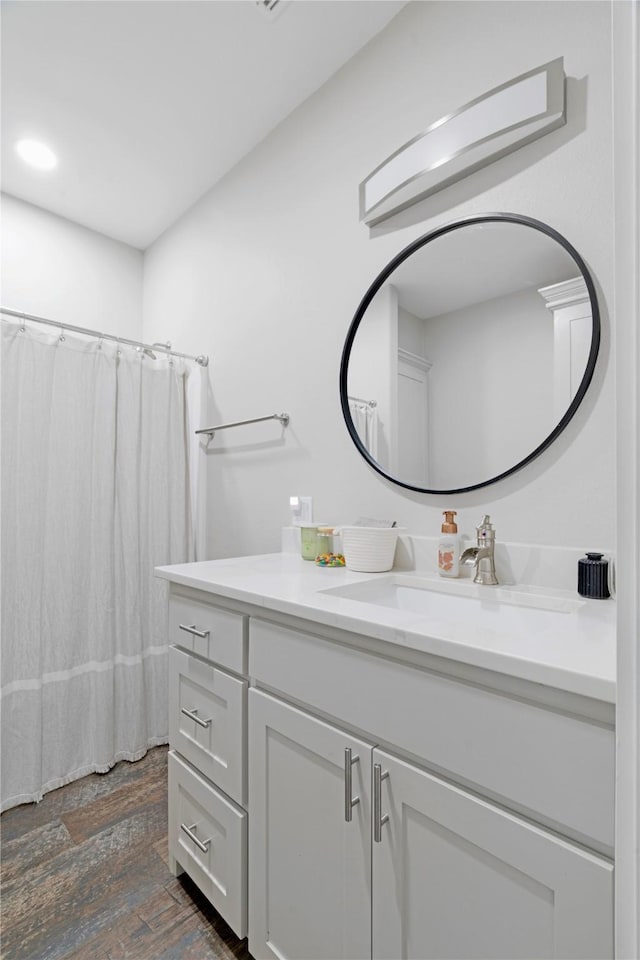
[593, 577]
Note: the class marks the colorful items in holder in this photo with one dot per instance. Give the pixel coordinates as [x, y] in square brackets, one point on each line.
[330, 560]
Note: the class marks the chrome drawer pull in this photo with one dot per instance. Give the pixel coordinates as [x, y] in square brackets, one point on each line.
[200, 844]
[349, 802]
[378, 820]
[191, 628]
[193, 715]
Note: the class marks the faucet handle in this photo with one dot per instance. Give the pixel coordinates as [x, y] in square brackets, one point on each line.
[485, 530]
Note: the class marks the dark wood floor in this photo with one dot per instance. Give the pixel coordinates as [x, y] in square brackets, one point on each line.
[85, 876]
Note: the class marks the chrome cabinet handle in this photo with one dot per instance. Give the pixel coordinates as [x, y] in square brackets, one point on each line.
[191, 628]
[349, 802]
[378, 820]
[200, 844]
[193, 715]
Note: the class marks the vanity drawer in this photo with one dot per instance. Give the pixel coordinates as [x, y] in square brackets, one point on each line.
[208, 839]
[552, 766]
[212, 632]
[207, 725]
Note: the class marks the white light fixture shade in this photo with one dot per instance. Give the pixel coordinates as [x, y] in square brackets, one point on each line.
[36, 154]
[489, 127]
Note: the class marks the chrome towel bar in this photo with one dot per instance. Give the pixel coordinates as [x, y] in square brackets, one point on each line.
[369, 403]
[282, 417]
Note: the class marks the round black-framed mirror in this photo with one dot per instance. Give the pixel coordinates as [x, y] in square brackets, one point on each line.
[469, 353]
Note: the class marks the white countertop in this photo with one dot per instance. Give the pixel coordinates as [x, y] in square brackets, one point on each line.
[572, 651]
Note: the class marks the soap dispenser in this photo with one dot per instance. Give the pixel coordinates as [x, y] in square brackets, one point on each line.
[449, 547]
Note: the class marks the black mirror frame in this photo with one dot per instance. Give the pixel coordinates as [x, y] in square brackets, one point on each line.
[384, 275]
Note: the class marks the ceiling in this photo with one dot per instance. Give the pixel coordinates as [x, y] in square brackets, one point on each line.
[431, 282]
[148, 103]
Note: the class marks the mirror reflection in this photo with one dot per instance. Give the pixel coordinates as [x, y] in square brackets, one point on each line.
[469, 354]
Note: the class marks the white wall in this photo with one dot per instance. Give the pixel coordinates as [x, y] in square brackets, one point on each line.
[266, 271]
[57, 269]
[411, 333]
[626, 119]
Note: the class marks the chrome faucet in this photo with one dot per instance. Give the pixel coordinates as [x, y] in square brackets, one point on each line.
[482, 556]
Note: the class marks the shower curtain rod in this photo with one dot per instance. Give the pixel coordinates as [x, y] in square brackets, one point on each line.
[160, 347]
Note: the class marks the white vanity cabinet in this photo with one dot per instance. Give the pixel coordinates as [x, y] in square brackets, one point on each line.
[339, 795]
[207, 760]
[424, 867]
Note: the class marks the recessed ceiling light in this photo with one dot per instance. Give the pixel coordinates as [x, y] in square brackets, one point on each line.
[36, 154]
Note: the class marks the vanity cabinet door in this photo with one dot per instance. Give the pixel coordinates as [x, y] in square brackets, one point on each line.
[310, 872]
[455, 876]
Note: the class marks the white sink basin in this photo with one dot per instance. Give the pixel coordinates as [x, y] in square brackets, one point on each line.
[450, 598]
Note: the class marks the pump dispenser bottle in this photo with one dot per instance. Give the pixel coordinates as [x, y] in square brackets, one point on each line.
[449, 547]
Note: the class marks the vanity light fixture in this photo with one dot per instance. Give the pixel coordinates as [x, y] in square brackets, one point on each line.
[483, 130]
[36, 154]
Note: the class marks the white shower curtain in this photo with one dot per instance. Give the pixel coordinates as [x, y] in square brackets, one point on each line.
[95, 493]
